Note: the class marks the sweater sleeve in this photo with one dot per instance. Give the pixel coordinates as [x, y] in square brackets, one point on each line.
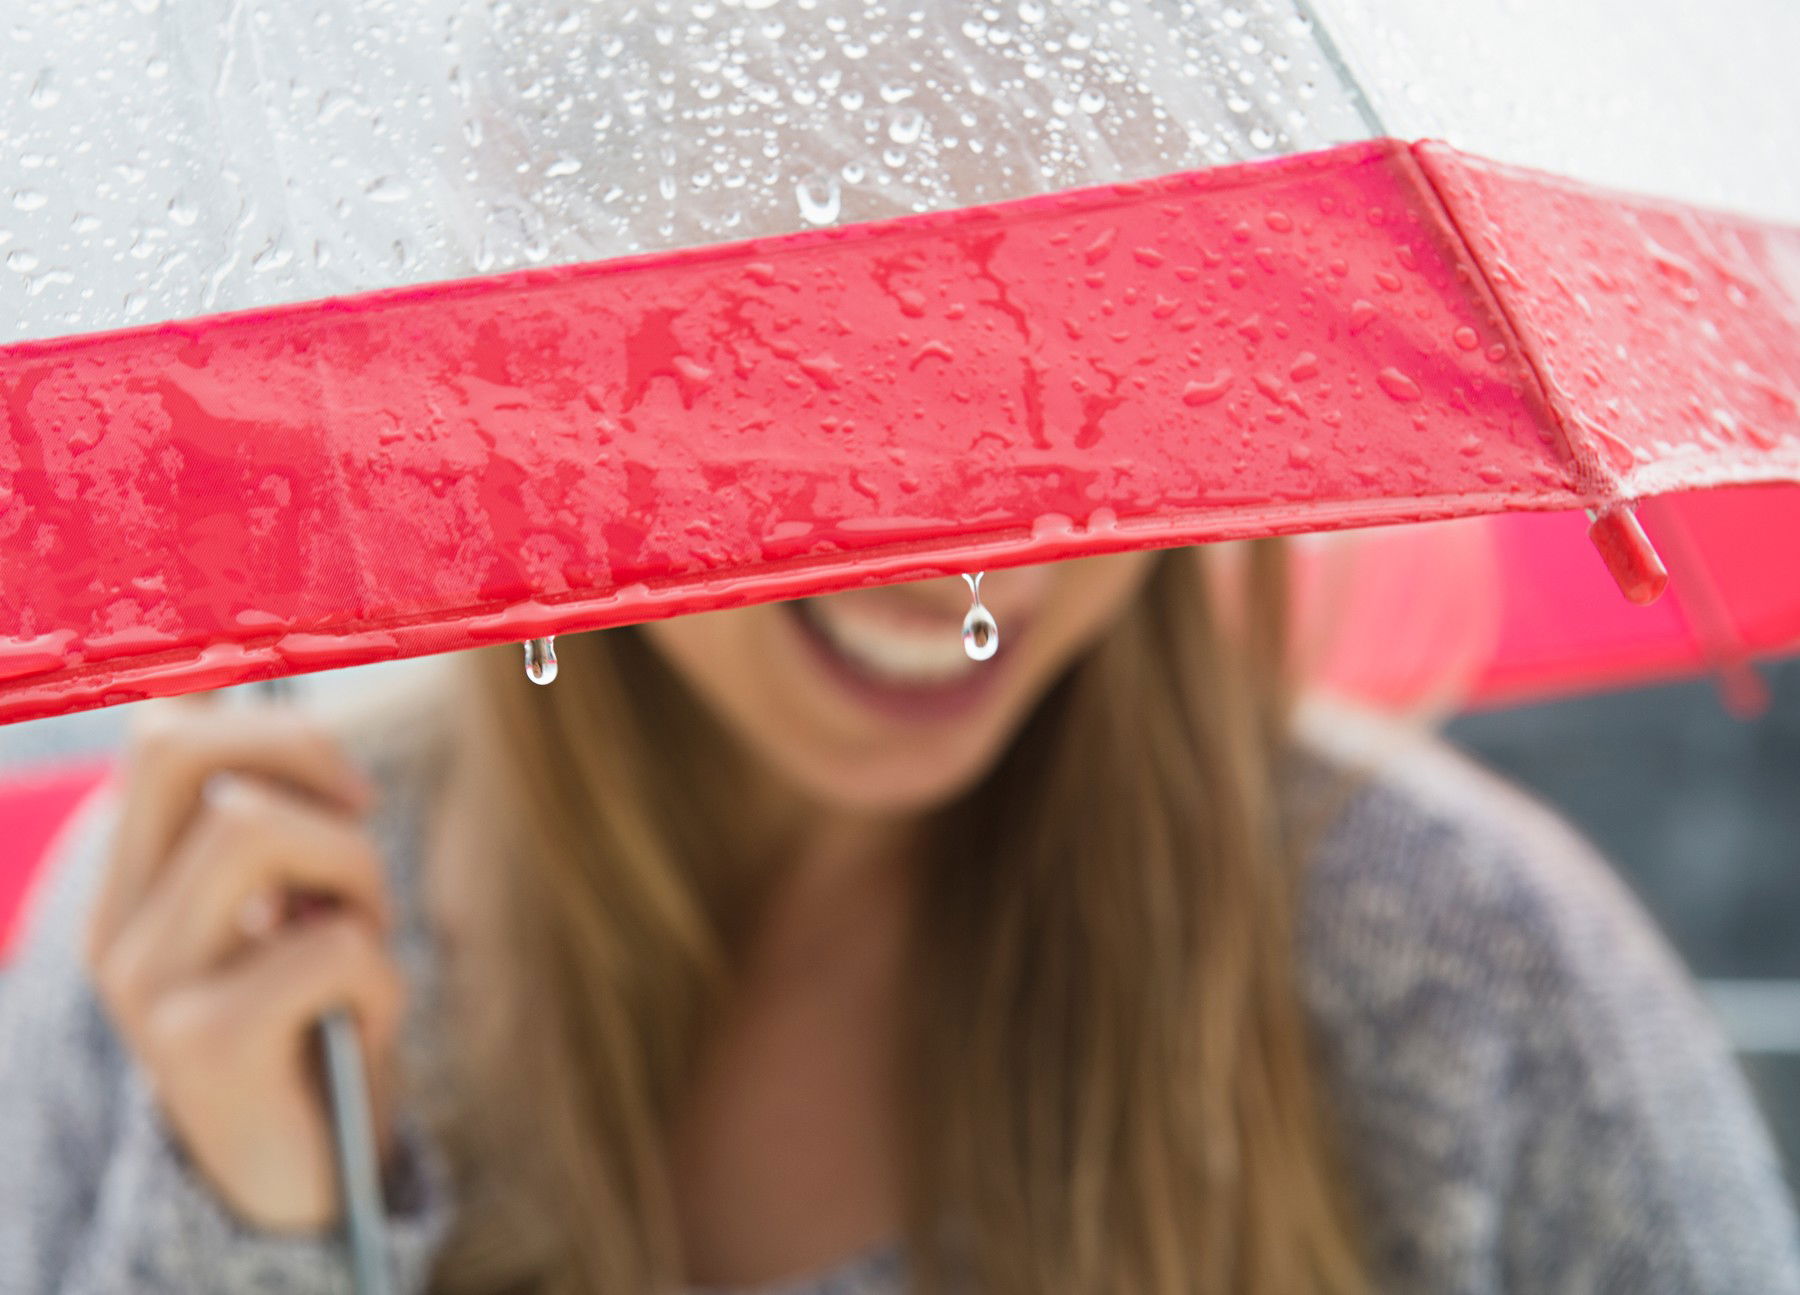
[96, 1194]
[1533, 1096]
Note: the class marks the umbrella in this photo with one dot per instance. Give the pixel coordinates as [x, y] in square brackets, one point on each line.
[358, 330]
[1499, 610]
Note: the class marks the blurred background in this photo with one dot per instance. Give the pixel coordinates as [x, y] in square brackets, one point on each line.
[1699, 810]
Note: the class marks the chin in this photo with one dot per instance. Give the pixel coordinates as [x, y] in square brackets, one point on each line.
[912, 775]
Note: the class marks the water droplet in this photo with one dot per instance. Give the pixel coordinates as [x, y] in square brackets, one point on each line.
[1398, 385]
[820, 198]
[387, 188]
[43, 92]
[905, 125]
[932, 349]
[822, 369]
[980, 632]
[691, 371]
[1204, 393]
[1466, 338]
[540, 660]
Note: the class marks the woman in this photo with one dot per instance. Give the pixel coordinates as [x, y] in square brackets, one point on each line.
[782, 948]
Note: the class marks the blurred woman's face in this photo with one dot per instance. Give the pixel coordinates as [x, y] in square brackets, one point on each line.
[866, 700]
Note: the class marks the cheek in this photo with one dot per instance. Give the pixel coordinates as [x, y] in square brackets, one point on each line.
[721, 656]
[1088, 596]
[744, 668]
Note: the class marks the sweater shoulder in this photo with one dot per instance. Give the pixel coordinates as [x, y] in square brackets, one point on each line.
[1444, 907]
[1520, 1067]
[1422, 850]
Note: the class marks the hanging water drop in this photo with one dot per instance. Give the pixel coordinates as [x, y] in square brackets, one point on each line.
[981, 633]
[540, 660]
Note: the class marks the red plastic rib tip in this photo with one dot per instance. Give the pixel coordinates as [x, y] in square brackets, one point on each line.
[1629, 555]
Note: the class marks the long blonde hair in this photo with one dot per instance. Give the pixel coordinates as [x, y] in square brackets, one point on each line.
[1109, 1086]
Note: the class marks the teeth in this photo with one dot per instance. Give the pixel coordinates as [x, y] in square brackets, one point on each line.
[905, 654]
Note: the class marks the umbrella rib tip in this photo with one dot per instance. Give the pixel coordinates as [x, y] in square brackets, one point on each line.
[1628, 553]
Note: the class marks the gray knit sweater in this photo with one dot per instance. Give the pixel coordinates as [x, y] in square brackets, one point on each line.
[1533, 1097]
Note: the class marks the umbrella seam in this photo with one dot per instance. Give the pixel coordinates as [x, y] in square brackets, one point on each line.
[1591, 477]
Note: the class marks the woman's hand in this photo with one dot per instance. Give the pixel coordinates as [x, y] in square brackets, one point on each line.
[241, 902]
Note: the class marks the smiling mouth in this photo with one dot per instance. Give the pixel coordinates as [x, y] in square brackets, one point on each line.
[911, 669]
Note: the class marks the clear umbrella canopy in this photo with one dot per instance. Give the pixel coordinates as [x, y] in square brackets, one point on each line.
[186, 159]
[169, 160]
[354, 329]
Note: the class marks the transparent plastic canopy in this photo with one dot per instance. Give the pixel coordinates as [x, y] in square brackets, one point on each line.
[185, 158]
[338, 330]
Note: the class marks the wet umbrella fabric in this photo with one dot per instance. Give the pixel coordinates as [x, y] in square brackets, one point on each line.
[421, 327]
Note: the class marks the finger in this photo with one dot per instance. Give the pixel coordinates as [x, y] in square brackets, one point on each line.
[273, 995]
[174, 745]
[145, 726]
[331, 961]
[253, 839]
[255, 1020]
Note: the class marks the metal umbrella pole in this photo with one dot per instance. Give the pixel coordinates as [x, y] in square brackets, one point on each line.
[353, 1126]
